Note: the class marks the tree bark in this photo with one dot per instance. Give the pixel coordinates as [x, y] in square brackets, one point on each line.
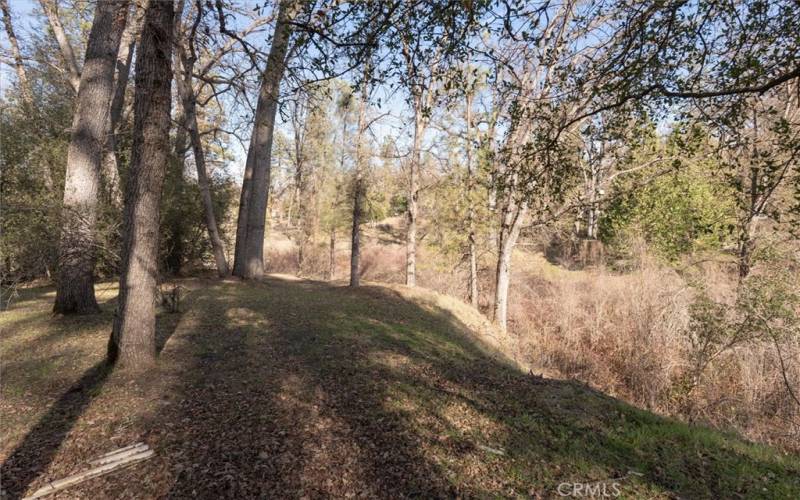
[50, 9]
[422, 94]
[358, 184]
[75, 287]
[355, 238]
[332, 255]
[190, 108]
[300, 187]
[189, 102]
[471, 239]
[244, 211]
[744, 251]
[124, 62]
[413, 194]
[132, 342]
[22, 75]
[175, 183]
[511, 224]
[514, 209]
[747, 222]
[249, 260]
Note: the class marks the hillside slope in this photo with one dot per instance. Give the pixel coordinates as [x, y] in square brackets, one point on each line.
[301, 389]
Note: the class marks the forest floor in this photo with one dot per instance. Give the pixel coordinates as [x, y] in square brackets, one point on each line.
[301, 389]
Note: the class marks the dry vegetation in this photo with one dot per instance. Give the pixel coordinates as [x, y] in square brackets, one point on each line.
[628, 335]
[625, 333]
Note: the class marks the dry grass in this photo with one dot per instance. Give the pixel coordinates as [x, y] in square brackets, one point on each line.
[625, 334]
[615, 332]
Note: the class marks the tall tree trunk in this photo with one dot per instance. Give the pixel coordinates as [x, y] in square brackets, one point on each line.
[298, 191]
[175, 187]
[413, 194]
[208, 203]
[750, 178]
[189, 102]
[332, 255]
[124, 62]
[745, 245]
[358, 184]
[244, 211]
[471, 239]
[355, 238]
[473, 270]
[50, 9]
[22, 75]
[75, 291]
[132, 342]
[249, 261]
[592, 213]
[190, 108]
[25, 90]
[511, 224]
[745, 251]
[173, 222]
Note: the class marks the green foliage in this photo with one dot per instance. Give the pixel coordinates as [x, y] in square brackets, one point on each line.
[769, 298]
[447, 227]
[33, 152]
[676, 205]
[677, 214]
[184, 237]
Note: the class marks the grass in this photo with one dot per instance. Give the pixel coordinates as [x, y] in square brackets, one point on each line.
[297, 388]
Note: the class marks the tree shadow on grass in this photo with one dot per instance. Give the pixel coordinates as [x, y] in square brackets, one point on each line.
[38, 448]
[12, 297]
[301, 389]
[269, 415]
[32, 456]
[579, 432]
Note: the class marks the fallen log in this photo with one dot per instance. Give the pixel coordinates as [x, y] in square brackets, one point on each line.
[119, 454]
[120, 458]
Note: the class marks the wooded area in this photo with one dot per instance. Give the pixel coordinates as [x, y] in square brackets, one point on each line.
[613, 184]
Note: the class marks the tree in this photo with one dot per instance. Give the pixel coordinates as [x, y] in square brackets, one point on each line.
[111, 154]
[359, 184]
[303, 173]
[312, 160]
[176, 185]
[22, 76]
[530, 100]
[50, 8]
[677, 209]
[335, 214]
[759, 147]
[132, 342]
[421, 72]
[470, 195]
[75, 288]
[188, 96]
[249, 252]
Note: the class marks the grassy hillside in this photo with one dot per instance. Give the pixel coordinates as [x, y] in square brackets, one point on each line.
[296, 388]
